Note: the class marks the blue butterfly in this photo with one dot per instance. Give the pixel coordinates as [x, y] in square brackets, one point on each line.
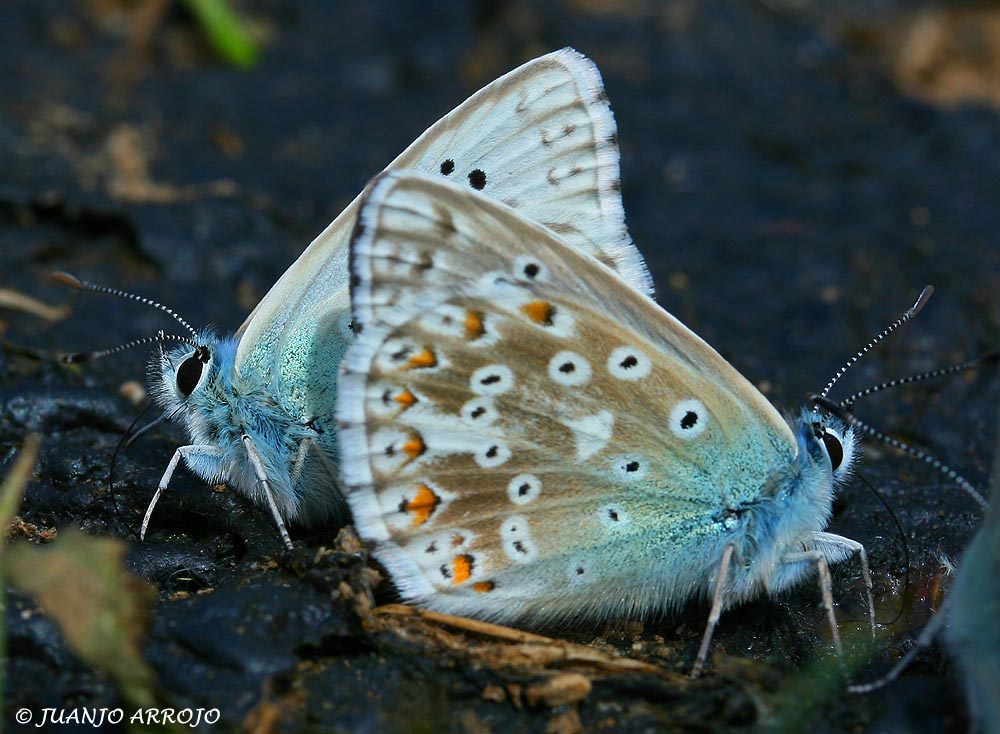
[527, 437]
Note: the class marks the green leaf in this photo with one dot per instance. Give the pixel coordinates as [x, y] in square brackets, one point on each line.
[226, 32]
[101, 609]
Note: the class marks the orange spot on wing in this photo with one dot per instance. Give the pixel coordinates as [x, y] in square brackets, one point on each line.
[461, 568]
[483, 586]
[425, 359]
[414, 447]
[541, 312]
[406, 399]
[423, 504]
[474, 325]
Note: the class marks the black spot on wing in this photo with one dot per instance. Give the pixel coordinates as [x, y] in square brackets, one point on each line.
[477, 179]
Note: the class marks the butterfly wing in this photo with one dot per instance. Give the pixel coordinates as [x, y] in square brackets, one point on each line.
[520, 427]
[541, 138]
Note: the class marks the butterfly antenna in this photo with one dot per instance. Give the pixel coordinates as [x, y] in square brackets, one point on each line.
[72, 281]
[986, 360]
[823, 403]
[78, 357]
[133, 437]
[912, 311]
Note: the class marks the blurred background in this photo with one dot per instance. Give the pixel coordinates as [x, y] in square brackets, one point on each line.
[794, 173]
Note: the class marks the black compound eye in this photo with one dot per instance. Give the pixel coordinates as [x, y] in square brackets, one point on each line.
[189, 373]
[834, 448]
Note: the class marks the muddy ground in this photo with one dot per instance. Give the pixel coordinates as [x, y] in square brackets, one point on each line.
[794, 175]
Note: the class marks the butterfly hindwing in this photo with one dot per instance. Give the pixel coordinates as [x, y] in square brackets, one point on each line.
[507, 387]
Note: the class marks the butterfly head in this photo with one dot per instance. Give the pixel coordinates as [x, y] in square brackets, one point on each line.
[179, 375]
[797, 504]
[831, 442]
[827, 428]
[192, 383]
[828, 450]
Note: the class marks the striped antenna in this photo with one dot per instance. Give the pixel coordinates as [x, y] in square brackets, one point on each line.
[984, 361]
[72, 281]
[78, 357]
[912, 311]
[822, 403]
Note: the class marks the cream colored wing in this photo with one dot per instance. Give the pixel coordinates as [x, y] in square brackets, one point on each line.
[541, 139]
[514, 411]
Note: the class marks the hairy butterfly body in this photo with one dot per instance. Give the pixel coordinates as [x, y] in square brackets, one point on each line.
[527, 437]
[258, 405]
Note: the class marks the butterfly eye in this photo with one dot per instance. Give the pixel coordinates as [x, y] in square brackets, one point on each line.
[834, 448]
[189, 373]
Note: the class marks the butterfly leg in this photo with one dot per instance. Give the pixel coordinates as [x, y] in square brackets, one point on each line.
[265, 483]
[718, 594]
[304, 446]
[187, 452]
[851, 547]
[300, 459]
[825, 589]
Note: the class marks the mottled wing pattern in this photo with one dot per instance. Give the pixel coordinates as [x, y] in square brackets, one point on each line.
[541, 139]
[513, 410]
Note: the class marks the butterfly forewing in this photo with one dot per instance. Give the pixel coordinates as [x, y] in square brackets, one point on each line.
[557, 166]
[506, 388]
[541, 139]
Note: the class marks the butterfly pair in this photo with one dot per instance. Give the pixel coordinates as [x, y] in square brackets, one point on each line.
[521, 432]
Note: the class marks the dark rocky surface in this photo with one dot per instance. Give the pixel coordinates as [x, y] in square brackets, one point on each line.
[789, 199]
